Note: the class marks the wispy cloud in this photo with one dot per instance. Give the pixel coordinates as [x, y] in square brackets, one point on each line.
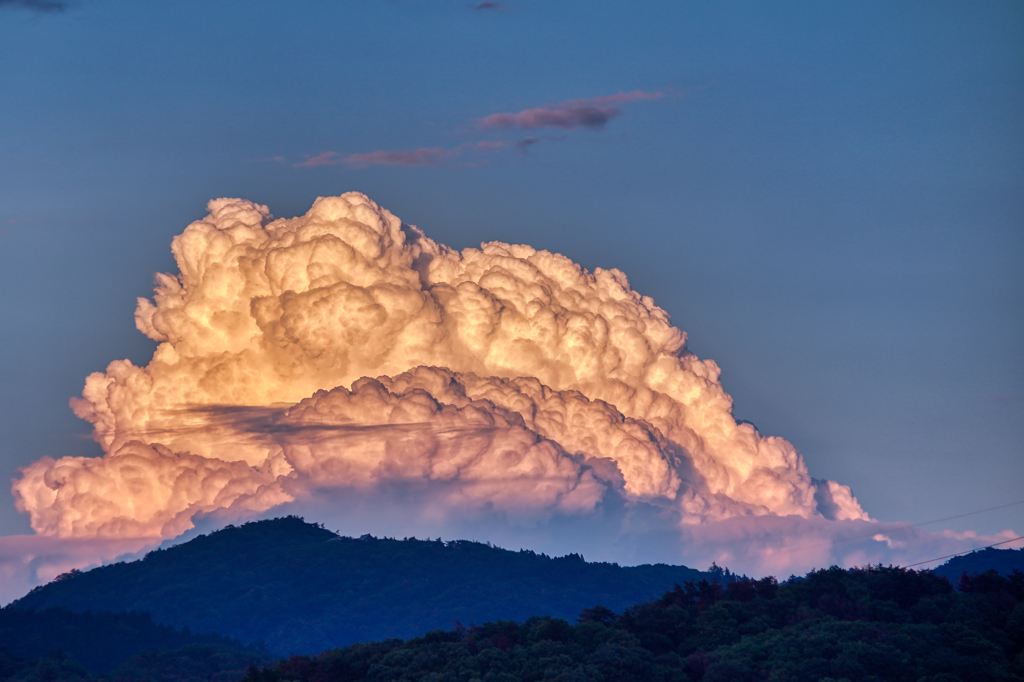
[487, 5]
[321, 159]
[577, 113]
[519, 145]
[523, 145]
[426, 156]
[36, 5]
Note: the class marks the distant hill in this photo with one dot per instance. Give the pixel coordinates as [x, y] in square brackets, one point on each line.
[1003, 561]
[301, 589]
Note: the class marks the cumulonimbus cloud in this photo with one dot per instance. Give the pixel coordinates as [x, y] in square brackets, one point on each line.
[343, 354]
[578, 113]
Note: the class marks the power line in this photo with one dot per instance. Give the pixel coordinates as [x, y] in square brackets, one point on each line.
[950, 556]
[869, 532]
[960, 516]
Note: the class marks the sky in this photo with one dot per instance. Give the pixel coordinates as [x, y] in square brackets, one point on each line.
[825, 197]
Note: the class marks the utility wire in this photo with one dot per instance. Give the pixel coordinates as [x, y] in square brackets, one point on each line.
[960, 516]
[950, 556]
[869, 532]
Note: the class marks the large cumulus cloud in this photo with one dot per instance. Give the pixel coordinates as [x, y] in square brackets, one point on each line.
[343, 351]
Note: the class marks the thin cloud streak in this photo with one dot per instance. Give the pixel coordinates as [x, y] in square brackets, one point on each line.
[578, 113]
[45, 6]
[523, 145]
[519, 145]
[425, 156]
[591, 113]
[321, 159]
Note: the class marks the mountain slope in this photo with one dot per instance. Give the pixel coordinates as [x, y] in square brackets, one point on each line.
[300, 588]
[879, 624]
[1003, 561]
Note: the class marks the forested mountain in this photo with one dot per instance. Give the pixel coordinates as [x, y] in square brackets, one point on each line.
[1003, 561]
[308, 590]
[873, 625]
[301, 589]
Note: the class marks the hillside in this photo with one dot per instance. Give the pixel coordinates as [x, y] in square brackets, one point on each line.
[878, 624]
[300, 588]
[1003, 561]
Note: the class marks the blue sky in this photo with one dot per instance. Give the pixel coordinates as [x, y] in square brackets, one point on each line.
[826, 197]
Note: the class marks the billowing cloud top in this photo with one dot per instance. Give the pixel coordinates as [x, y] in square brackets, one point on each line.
[341, 351]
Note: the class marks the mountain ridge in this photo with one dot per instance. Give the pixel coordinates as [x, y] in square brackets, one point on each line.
[1003, 561]
[301, 588]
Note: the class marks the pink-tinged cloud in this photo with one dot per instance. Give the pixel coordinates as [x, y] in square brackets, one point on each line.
[519, 145]
[577, 113]
[30, 560]
[781, 545]
[426, 156]
[322, 159]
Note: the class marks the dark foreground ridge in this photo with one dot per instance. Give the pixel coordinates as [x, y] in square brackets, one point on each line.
[301, 589]
[57, 644]
[877, 624]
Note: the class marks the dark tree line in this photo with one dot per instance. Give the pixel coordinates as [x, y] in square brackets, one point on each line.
[872, 624]
[58, 644]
